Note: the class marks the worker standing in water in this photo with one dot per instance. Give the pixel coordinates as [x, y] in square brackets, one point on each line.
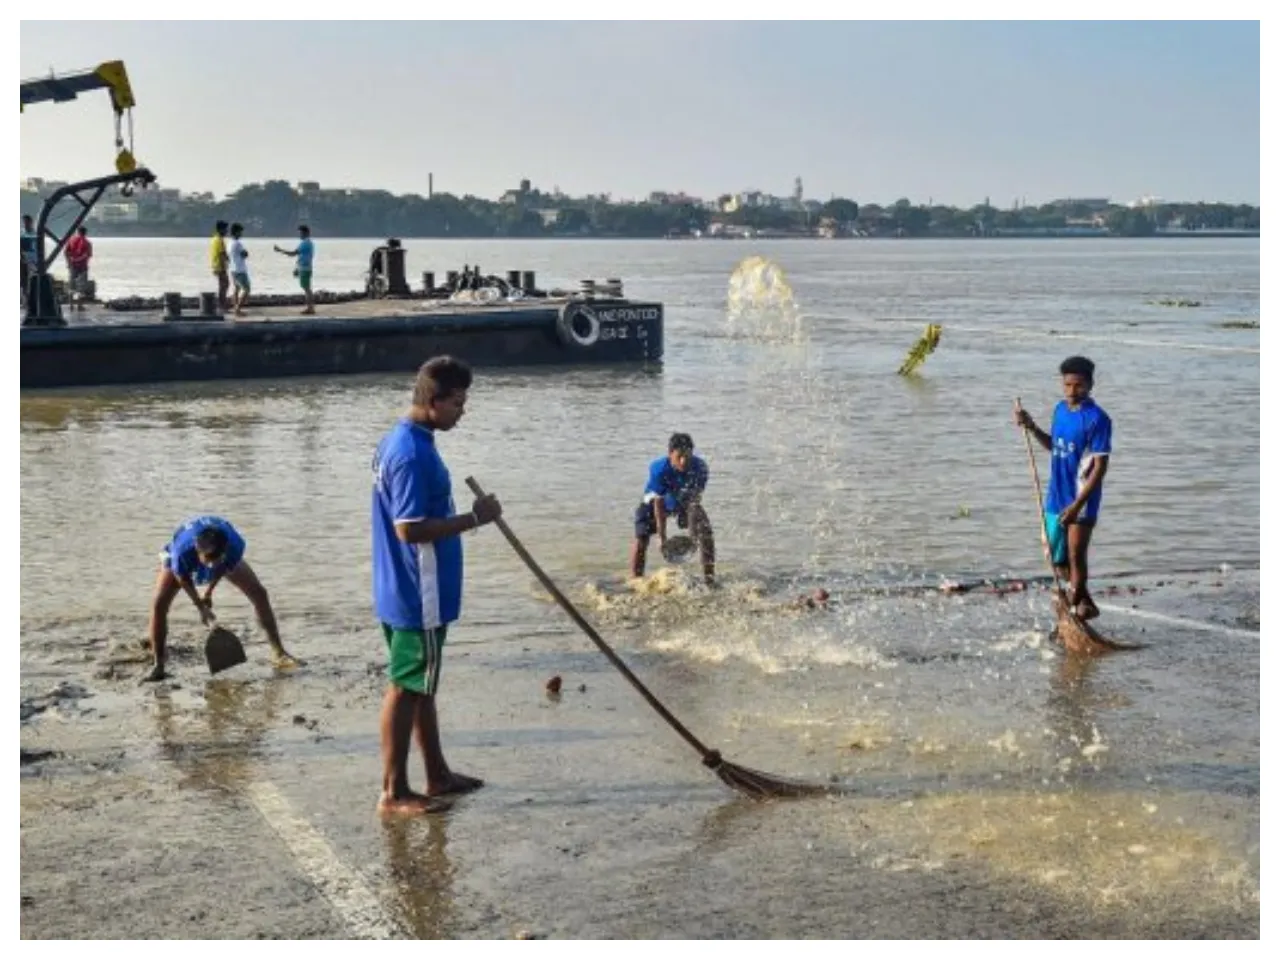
[1079, 443]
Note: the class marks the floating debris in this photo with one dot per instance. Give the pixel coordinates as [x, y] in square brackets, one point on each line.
[927, 343]
[1175, 302]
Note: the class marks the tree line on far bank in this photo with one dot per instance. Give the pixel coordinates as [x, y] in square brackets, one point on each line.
[275, 208]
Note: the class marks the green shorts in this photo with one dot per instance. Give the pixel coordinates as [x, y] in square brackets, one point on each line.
[413, 658]
[241, 280]
[304, 279]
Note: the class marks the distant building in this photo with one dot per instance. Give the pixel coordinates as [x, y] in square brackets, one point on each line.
[1095, 204]
[519, 194]
[157, 201]
[42, 187]
[679, 199]
[115, 213]
[308, 187]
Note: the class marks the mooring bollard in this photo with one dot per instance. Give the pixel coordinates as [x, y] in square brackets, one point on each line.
[589, 289]
[530, 282]
[513, 278]
[173, 306]
[428, 280]
[209, 305]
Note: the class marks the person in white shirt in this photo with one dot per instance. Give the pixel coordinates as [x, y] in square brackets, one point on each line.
[239, 269]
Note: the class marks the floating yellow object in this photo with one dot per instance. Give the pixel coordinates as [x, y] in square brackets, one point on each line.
[924, 346]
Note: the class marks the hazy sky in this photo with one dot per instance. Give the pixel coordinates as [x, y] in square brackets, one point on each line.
[872, 111]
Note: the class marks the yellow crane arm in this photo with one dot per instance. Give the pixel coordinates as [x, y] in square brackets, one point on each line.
[110, 76]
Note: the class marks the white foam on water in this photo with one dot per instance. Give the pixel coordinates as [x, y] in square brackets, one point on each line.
[802, 648]
[761, 304]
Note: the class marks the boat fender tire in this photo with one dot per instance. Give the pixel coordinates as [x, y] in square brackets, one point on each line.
[578, 326]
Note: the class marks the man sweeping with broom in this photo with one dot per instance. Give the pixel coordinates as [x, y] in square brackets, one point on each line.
[417, 581]
[1080, 445]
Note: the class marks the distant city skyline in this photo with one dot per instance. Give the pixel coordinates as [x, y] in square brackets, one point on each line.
[745, 197]
[953, 111]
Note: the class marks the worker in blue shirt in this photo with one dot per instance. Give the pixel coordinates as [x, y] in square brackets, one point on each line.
[676, 484]
[1079, 442]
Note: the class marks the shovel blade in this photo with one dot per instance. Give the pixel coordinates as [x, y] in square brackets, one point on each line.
[679, 548]
[223, 650]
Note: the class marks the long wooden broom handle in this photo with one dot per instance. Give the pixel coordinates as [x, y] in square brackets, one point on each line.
[1044, 523]
[586, 628]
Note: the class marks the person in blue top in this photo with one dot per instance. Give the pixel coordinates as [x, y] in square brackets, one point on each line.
[1079, 443]
[675, 486]
[201, 552]
[417, 580]
[305, 252]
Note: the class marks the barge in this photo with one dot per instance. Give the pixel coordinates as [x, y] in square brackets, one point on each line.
[376, 334]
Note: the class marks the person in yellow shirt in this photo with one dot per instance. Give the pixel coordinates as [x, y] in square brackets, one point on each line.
[219, 261]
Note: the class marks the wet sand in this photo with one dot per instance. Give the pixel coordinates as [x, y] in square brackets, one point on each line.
[597, 821]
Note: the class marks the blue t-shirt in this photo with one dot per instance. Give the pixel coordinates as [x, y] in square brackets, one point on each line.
[180, 553]
[306, 253]
[676, 487]
[416, 586]
[1078, 436]
[28, 246]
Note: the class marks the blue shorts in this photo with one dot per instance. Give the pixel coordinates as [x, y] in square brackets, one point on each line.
[1057, 538]
[1058, 535]
[647, 524]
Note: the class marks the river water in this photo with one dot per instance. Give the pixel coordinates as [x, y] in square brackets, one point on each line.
[1117, 798]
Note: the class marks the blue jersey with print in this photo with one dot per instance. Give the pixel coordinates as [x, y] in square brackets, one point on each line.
[1078, 437]
[306, 253]
[181, 556]
[675, 487]
[416, 586]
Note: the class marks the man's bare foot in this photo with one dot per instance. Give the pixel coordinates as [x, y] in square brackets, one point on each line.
[456, 783]
[1087, 610]
[155, 673]
[284, 661]
[410, 805]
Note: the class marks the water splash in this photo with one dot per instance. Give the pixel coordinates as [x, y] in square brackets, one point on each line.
[761, 303]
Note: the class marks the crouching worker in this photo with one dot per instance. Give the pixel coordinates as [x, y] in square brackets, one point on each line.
[203, 551]
[675, 486]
